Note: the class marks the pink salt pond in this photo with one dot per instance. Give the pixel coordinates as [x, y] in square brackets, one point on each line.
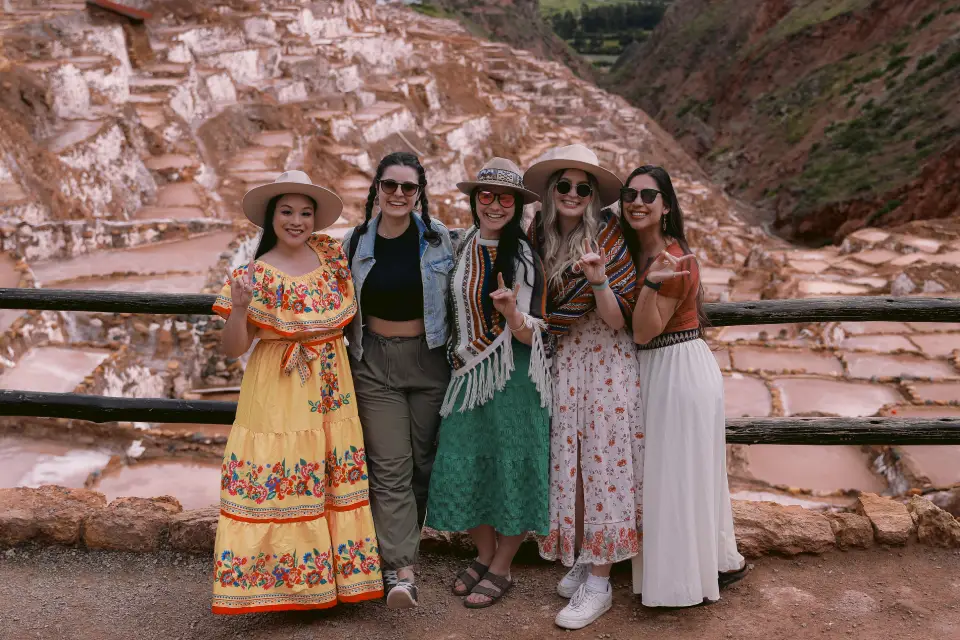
[801, 394]
[194, 484]
[869, 365]
[940, 463]
[52, 369]
[813, 467]
[779, 360]
[25, 462]
[745, 396]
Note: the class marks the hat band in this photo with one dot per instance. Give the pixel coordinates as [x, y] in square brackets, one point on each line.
[502, 176]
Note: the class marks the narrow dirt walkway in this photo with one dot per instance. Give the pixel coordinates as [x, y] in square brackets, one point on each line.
[910, 594]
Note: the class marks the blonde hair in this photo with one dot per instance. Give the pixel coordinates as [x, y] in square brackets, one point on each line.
[559, 253]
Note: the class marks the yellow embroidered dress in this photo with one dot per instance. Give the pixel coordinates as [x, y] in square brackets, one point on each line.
[295, 529]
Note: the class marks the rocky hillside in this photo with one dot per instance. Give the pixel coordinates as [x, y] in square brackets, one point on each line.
[832, 114]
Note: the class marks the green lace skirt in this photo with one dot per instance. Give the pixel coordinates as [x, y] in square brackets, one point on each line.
[492, 465]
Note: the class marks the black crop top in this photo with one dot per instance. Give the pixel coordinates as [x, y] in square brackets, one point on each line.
[393, 290]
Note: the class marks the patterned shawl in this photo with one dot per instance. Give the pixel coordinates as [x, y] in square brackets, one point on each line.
[575, 298]
[480, 350]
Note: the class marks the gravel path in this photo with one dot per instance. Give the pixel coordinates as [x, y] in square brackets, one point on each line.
[909, 594]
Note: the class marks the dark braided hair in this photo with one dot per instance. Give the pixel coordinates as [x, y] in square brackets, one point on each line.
[403, 159]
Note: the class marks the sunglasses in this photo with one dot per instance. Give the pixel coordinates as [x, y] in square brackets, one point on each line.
[507, 200]
[647, 195]
[407, 188]
[583, 189]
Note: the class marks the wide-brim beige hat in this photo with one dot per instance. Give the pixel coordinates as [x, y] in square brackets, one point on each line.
[574, 156]
[500, 172]
[329, 204]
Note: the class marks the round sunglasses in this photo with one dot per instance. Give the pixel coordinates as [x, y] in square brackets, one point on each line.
[583, 189]
[507, 200]
[407, 188]
[648, 196]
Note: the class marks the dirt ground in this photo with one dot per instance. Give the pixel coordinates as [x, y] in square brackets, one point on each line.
[909, 594]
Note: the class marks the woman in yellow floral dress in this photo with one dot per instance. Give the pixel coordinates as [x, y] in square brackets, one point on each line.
[295, 529]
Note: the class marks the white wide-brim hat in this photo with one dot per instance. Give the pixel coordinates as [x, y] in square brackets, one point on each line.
[329, 204]
[500, 172]
[574, 156]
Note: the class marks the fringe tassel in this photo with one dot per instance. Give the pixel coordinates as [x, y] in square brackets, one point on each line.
[540, 365]
[482, 381]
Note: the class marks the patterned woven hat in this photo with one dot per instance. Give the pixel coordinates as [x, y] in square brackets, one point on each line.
[500, 172]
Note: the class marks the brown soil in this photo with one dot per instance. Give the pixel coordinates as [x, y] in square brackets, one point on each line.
[911, 594]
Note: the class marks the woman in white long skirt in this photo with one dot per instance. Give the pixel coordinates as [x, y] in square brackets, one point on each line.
[689, 548]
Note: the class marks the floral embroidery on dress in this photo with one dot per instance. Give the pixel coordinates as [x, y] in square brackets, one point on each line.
[268, 571]
[246, 479]
[353, 559]
[350, 468]
[326, 370]
[273, 291]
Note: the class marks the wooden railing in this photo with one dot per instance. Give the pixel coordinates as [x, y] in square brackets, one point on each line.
[829, 431]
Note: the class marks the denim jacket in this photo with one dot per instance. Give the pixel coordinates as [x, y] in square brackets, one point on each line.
[436, 262]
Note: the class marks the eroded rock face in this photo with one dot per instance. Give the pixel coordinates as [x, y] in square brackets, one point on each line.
[891, 522]
[49, 514]
[948, 500]
[131, 524]
[935, 526]
[767, 527]
[194, 530]
[851, 530]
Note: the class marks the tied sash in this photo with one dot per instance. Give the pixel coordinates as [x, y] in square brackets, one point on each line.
[298, 356]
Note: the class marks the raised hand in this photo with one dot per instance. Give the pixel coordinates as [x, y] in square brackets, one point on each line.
[505, 301]
[593, 262]
[666, 267]
[241, 289]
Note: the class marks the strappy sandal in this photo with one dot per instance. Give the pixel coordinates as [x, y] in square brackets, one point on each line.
[501, 585]
[469, 582]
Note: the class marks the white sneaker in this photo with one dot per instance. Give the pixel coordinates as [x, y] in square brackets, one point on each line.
[575, 577]
[585, 607]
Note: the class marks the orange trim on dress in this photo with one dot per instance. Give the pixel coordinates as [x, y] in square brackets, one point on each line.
[328, 507]
[363, 597]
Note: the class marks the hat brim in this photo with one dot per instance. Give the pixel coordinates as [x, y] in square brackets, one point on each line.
[537, 177]
[329, 204]
[525, 194]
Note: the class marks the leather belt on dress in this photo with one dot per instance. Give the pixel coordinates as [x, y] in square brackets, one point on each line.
[300, 354]
[668, 339]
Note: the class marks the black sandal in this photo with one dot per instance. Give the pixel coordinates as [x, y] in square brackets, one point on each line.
[727, 578]
[469, 582]
[501, 585]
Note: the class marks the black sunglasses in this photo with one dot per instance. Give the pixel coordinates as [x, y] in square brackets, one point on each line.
[583, 189]
[647, 195]
[407, 188]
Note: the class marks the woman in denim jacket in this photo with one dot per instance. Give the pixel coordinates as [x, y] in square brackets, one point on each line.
[400, 260]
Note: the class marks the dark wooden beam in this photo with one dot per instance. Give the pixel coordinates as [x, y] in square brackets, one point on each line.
[820, 431]
[136, 15]
[860, 308]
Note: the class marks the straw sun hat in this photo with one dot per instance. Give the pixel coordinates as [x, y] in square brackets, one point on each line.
[574, 156]
[500, 172]
[329, 205]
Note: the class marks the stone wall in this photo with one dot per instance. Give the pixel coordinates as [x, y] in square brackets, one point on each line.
[56, 515]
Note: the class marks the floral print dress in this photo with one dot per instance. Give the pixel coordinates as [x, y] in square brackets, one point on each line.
[596, 418]
[295, 529]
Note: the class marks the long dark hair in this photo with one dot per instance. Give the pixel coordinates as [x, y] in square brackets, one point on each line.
[671, 224]
[403, 159]
[268, 240]
[508, 248]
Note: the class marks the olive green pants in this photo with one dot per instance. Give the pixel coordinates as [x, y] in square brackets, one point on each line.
[400, 384]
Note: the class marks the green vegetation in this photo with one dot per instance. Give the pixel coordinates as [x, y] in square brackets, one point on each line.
[810, 14]
[604, 28]
[926, 61]
[428, 9]
[927, 19]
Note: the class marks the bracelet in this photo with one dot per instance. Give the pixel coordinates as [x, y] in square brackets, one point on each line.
[653, 285]
[600, 286]
[523, 325]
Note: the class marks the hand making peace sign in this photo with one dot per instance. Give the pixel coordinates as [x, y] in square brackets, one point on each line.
[593, 262]
[666, 266]
[241, 289]
[504, 299]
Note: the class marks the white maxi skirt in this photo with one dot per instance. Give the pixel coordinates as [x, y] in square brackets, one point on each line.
[688, 532]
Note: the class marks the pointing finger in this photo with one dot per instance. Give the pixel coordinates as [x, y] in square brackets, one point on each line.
[516, 290]
[500, 281]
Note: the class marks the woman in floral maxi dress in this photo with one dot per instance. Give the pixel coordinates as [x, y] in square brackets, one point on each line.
[596, 457]
[295, 529]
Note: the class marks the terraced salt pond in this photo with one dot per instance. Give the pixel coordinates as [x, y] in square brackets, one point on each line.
[27, 462]
[52, 369]
[194, 484]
